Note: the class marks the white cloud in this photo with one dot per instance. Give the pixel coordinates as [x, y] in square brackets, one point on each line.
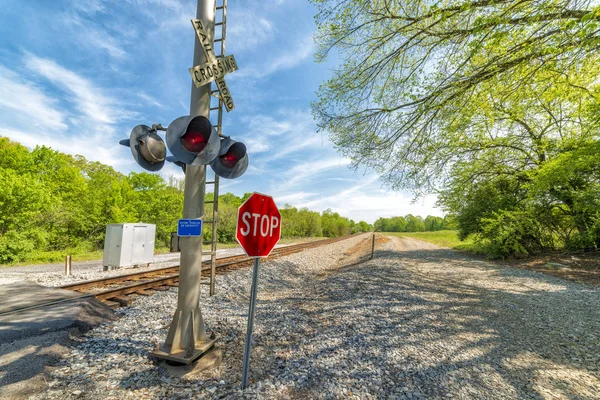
[256, 146]
[365, 201]
[167, 14]
[29, 115]
[89, 6]
[28, 104]
[248, 31]
[88, 98]
[289, 132]
[85, 145]
[173, 170]
[294, 198]
[149, 100]
[100, 40]
[302, 173]
[91, 36]
[285, 60]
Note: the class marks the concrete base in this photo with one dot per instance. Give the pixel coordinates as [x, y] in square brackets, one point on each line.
[209, 360]
[181, 357]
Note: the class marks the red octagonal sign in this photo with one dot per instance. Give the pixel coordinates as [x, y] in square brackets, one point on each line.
[258, 225]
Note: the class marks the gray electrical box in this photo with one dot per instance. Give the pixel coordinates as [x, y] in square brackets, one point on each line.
[128, 244]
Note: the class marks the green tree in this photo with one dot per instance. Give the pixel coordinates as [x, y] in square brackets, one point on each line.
[334, 225]
[414, 223]
[310, 223]
[420, 83]
[290, 222]
[433, 223]
[380, 225]
[363, 226]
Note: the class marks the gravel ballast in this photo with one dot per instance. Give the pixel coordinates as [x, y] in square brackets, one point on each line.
[416, 322]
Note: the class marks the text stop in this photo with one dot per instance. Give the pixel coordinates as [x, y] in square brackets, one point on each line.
[265, 227]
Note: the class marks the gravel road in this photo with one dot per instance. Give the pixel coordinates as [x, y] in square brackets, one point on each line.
[416, 322]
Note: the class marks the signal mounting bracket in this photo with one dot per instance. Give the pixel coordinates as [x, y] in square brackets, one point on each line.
[157, 127]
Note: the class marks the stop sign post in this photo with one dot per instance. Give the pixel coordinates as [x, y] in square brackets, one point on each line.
[258, 230]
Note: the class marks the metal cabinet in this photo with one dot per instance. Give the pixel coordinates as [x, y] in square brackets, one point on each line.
[128, 244]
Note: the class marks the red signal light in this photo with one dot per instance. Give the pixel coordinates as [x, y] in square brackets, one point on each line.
[233, 155]
[197, 134]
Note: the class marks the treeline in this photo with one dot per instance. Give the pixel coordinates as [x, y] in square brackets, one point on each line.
[296, 223]
[51, 203]
[411, 223]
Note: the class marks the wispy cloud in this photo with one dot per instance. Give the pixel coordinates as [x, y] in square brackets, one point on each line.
[167, 14]
[366, 201]
[341, 197]
[87, 98]
[25, 103]
[287, 132]
[85, 145]
[302, 173]
[99, 40]
[287, 59]
[83, 27]
[248, 31]
[89, 6]
[294, 198]
[77, 119]
[150, 100]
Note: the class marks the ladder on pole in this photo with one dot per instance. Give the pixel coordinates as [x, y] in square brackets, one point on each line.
[221, 10]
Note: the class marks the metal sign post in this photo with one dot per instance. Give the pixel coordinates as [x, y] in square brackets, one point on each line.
[253, 291]
[258, 230]
[187, 339]
[373, 245]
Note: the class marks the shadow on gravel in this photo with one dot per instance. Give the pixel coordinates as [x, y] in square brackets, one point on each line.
[33, 339]
[401, 325]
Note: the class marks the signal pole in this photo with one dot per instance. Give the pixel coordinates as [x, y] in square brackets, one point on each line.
[187, 339]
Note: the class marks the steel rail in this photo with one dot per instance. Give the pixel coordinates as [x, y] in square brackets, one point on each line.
[223, 262]
[170, 280]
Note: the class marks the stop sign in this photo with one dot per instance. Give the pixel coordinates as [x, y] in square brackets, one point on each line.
[258, 225]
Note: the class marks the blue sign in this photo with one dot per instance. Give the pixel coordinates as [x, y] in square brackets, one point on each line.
[189, 227]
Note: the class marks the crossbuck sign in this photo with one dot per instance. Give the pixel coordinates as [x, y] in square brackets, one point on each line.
[215, 68]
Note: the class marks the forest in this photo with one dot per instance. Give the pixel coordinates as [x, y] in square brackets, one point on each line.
[52, 204]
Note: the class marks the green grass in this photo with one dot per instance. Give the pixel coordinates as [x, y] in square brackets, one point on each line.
[48, 257]
[448, 239]
[58, 256]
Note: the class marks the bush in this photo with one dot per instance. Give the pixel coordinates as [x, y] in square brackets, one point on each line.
[14, 247]
[512, 233]
[586, 240]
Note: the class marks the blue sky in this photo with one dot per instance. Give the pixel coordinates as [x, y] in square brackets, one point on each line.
[78, 75]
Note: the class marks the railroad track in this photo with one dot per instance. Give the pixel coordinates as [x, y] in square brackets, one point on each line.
[117, 291]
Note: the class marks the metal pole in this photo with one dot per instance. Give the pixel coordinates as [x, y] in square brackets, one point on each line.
[253, 291]
[373, 245]
[187, 339]
[68, 265]
[213, 245]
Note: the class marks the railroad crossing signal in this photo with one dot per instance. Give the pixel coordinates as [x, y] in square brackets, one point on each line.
[232, 160]
[214, 69]
[258, 225]
[193, 140]
[148, 149]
